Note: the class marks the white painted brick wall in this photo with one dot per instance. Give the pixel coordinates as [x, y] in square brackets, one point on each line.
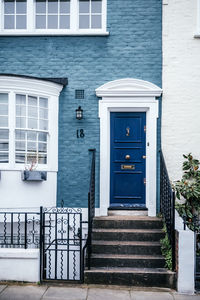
[181, 84]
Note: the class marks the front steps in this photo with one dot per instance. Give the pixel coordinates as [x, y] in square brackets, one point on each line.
[126, 251]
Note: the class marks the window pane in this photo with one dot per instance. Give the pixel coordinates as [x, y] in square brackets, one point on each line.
[20, 22]
[3, 146]
[20, 135]
[21, 7]
[96, 6]
[4, 134]
[21, 122]
[43, 102]
[42, 137]
[40, 6]
[20, 158]
[3, 109]
[32, 123]
[84, 6]
[32, 101]
[32, 136]
[42, 147]
[64, 22]
[42, 159]
[9, 22]
[83, 22]
[9, 7]
[40, 22]
[52, 7]
[20, 99]
[32, 158]
[32, 112]
[96, 22]
[64, 7]
[3, 157]
[20, 110]
[3, 98]
[43, 125]
[20, 146]
[43, 113]
[3, 121]
[53, 22]
[31, 146]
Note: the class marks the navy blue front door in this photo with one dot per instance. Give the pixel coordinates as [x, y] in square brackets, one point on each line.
[128, 150]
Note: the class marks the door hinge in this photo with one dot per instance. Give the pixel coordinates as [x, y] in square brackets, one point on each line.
[144, 180]
[144, 156]
[145, 128]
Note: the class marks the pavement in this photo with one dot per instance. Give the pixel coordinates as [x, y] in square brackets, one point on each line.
[85, 292]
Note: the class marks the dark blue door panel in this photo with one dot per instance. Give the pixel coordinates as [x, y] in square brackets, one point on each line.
[128, 149]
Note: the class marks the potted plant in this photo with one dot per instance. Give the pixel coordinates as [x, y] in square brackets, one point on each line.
[30, 173]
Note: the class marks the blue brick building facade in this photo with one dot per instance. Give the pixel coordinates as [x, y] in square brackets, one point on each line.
[132, 49]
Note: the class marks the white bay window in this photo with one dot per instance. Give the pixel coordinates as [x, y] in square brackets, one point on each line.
[58, 17]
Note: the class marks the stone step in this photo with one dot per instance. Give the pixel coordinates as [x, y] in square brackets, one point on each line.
[132, 277]
[126, 247]
[127, 234]
[133, 261]
[127, 222]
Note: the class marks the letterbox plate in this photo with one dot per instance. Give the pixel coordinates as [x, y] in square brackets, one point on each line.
[127, 167]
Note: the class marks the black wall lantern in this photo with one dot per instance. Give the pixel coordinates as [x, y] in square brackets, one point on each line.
[79, 113]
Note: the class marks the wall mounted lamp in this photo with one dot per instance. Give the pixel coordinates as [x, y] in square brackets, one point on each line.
[79, 113]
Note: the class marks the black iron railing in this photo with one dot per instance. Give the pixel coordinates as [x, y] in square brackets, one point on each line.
[167, 205]
[19, 230]
[91, 212]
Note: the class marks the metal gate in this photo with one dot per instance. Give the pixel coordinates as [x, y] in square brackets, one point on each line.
[61, 244]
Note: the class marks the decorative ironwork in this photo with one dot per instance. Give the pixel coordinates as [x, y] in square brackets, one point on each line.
[167, 205]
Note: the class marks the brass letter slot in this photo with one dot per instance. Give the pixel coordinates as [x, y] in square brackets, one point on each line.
[127, 167]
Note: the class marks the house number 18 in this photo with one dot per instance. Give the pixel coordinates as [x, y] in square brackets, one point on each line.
[80, 133]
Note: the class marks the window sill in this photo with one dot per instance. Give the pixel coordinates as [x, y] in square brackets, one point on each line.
[54, 33]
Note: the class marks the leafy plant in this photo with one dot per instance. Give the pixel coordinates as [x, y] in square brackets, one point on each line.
[166, 249]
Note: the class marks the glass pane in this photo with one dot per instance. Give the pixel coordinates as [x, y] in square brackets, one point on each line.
[32, 136]
[64, 22]
[42, 137]
[41, 6]
[20, 110]
[52, 7]
[44, 102]
[32, 101]
[21, 7]
[32, 158]
[20, 135]
[31, 147]
[43, 125]
[4, 134]
[84, 6]
[20, 158]
[19, 146]
[64, 7]
[20, 22]
[43, 113]
[4, 146]
[42, 147]
[96, 22]
[32, 123]
[3, 98]
[9, 7]
[3, 121]
[40, 22]
[21, 122]
[3, 109]
[9, 22]
[20, 99]
[32, 112]
[42, 159]
[53, 22]
[96, 6]
[3, 157]
[84, 21]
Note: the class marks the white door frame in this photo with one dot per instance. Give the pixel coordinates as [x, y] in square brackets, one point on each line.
[128, 95]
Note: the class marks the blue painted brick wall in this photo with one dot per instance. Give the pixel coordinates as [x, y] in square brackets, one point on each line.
[133, 49]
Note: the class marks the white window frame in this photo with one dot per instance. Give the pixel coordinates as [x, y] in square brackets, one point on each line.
[18, 85]
[197, 33]
[74, 22]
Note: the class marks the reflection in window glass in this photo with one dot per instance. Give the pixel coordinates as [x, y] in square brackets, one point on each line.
[15, 14]
[4, 145]
[52, 14]
[90, 14]
[3, 110]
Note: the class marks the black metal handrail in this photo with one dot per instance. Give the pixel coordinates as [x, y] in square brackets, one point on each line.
[167, 205]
